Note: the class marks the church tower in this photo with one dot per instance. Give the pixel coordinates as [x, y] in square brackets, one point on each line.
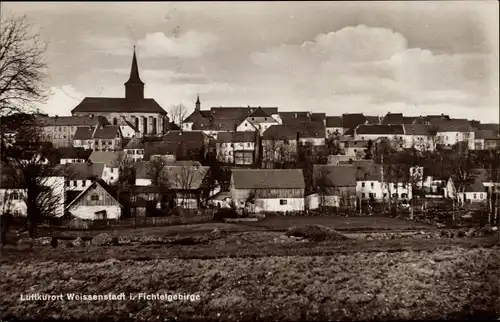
[198, 104]
[134, 87]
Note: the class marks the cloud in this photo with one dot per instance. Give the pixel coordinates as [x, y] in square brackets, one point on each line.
[191, 44]
[373, 69]
[61, 101]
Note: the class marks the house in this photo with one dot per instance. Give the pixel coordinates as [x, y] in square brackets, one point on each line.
[79, 176]
[142, 199]
[335, 185]
[274, 190]
[311, 133]
[372, 119]
[61, 130]
[99, 138]
[334, 126]
[96, 201]
[368, 181]
[335, 159]
[419, 136]
[134, 149]
[475, 192]
[238, 148]
[70, 155]
[259, 120]
[185, 145]
[394, 133]
[128, 129]
[351, 120]
[397, 119]
[279, 145]
[355, 149]
[111, 161]
[145, 114]
[453, 131]
[485, 140]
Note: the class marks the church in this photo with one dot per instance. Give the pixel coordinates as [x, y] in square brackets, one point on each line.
[145, 114]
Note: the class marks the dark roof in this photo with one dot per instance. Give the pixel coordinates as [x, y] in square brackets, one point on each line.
[335, 176]
[197, 115]
[259, 112]
[115, 104]
[417, 129]
[485, 134]
[372, 119]
[268, 179]
[173, 126]
[455, 125]
[107, 132]
[351, 121]
[380, 129]
[318, 117]
[368, 171]
[239, 112]
[141, 167]
[184, 136]
[83, 133]
[477, 185]
[82, 171]
[135, 143]
[312, 130]
[216, 125]
[279, 132]
[71, 195]
[109, 158]
[333, 121]
[392, 118]
[160, 148]
[72, 153]
[236, 137]
[72, 120]
[489, 126]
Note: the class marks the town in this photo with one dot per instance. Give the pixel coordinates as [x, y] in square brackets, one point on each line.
[249, 161]
[128, 157]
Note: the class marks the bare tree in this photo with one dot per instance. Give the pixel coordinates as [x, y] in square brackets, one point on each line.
[177, 114]
[30, 169]
[322, 183]
[22, 66]
[183, 178]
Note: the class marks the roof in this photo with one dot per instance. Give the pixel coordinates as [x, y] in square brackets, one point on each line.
[333, 121]
[83, 133]
[184, 136]
[227, 137]
[455, 125]
[135, 143]
[372, 119]
[195, 116]
[279, 132]
[259, 112]
[313, 129]
[268, 179]
[335, 176]
[72, 153]
[392, 118]
[99, 182]
[109, 158]
[485, 134]
[489, 126]
[216, 125]
[134, 73]
[417, 129]
[72, 120]
[380, 129]
[351, 121]
[173, 126]
[82, 171]
[239, 113]
[115, 104]
[477, 185]
[367, 171]
[107, 132]
[160, 148]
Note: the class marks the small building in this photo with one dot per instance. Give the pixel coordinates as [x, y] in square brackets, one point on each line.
[334, 126]
[355, 149]
[485, 140]
[259, 120]
[134, 149]
[238, 148]
[475, 192]
[394, 133]
[312, 133]
[335, 185]
[97, 201]
[67, 155]
[143, 199]
[79, 176]
[274, 190]
[111, 161]
[419, 136]
[128, 129]
[453, 131]
[279, 145]
[99, 138]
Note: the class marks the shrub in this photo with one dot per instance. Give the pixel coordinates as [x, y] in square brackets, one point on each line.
[104, 239]
[225, 213]
[315, 233]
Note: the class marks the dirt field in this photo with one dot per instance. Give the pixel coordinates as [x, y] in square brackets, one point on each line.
[443, 284]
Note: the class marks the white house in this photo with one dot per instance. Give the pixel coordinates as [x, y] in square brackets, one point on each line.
[97, 201]
[274, 190]
[134, 149]
[111, 161]
[334, 126]
[394, 133]
[484, 138]
[451, 132]
[127, 129]
[259, 120]
[67, 155]
[355, 149]
[237, 147]
[419, 136]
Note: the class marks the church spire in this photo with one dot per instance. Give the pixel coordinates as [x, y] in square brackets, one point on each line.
[134, 87]
[198, 104]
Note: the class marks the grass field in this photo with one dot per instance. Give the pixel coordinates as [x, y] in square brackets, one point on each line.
[254, 272]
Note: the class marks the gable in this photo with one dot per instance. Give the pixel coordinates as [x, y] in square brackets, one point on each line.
[94, 195]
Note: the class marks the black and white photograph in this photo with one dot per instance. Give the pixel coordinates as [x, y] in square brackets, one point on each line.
[249, 161]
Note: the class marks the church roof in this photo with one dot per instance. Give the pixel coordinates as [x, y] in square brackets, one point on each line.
[134, 73]
[115, 104]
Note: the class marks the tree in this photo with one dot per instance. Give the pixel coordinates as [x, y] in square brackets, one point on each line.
[463, 170]
[322, 183]
[183, 178]
[157, 172]
[125, 182]
[178, 114]
[22, 66]
[30, 169]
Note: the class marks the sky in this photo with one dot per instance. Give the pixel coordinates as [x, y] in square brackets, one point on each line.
[415, 58]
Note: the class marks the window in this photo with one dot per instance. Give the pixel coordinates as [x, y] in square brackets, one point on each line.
[481, 196]
[394, 195]
[74, 183]
[67, 183]
[248, 144]
[133, 198]
[94, 197]
[151, 197]
[84, 183]
[372, 185]
[362, 184]
[372, 195]
[111, 178]
[14, 196]
[475, 196]
[363, 195]
[385, 195]
[282, 202]
[404, 195]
